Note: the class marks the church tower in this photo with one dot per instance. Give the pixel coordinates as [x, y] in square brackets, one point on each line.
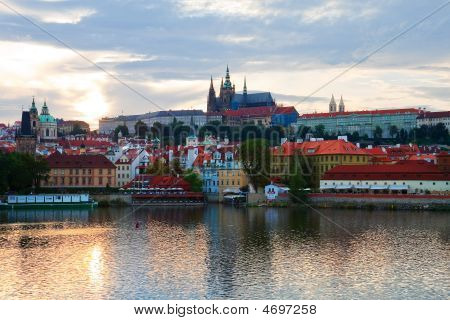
[227, 91]
[34, 118]
[244, 93]
[211, 106]
[332, 105]
[341, 105]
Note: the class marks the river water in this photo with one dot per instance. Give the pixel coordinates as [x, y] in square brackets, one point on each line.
[220, 252]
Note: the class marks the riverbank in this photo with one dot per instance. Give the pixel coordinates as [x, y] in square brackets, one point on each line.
[380, 201]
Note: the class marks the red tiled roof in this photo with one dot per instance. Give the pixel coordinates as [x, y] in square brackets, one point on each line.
[284, 110]
[249, 112]
[377, 151]
[438, 114]
[312, 148]
[328, 147]
[348, 113]
[160, 182]
[86, 143]
[57, 160]
[402, 170]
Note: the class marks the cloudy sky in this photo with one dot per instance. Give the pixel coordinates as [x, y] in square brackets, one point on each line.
[167, 51]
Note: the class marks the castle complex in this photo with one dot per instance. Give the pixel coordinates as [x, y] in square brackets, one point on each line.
[228, 99]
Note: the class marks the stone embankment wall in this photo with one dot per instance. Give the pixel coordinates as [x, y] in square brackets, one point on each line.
[114, 200]
[400, 202]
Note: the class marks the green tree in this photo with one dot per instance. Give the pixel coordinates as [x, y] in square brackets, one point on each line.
[403, 135]
[158, 168]
[194, 180]
[255, 159]
[141, 129]
[297, 185]
[393, 131]
[319, 131]
[21, 172]
[377, 134]
[302, 131]
[175, 167]
[123, 130]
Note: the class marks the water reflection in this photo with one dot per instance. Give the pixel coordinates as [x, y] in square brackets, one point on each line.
[223, 252]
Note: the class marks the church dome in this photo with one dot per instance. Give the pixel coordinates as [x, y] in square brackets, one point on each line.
[45, 116]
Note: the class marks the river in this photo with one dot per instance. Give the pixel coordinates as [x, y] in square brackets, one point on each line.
[220, 252]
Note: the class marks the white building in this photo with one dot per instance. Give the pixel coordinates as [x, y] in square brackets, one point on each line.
[433, 118]
[129, 164]
[188, 117]
[403, 177]
[276, 192]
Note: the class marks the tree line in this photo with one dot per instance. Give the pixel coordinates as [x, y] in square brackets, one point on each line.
[21, 173]
[176, 132]
[436, 134]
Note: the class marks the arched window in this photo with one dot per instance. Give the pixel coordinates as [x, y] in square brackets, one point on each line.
[47, 132]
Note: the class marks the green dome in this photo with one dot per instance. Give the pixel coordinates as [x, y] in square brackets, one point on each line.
[46, 118]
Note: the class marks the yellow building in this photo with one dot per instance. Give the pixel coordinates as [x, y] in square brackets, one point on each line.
[230, 179]
[318, 157]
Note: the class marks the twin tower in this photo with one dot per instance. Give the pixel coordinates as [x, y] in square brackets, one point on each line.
[332, 105]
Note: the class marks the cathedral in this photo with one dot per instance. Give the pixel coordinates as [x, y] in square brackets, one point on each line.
[229, 99]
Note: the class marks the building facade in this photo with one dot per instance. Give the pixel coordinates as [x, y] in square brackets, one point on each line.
[230, 179]
[47, 126]
[433, 118]
[315, 158]
[363, 122]
[403, 177]
[67, 127]
[188, 117]
[81, 171]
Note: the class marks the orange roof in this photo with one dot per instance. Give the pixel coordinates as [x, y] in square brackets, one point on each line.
[313, 148]
[327, 147]
[377, 151]
[348, 113]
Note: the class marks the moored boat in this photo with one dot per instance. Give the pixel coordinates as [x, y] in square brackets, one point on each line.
[48, 200]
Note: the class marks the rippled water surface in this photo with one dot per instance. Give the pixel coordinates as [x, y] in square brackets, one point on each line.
[221, 252]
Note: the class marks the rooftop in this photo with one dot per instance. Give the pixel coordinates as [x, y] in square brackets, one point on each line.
[368, 112]
[57, 160]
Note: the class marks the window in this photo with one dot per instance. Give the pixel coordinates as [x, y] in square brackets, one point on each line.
[100, 180]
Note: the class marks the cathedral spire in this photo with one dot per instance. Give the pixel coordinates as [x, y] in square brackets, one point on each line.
[33, 106]
[341, 105]
[227, 84]
[332, 105]
[211, 103]
[245, 85]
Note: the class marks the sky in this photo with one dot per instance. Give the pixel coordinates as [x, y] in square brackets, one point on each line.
[168, 50]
